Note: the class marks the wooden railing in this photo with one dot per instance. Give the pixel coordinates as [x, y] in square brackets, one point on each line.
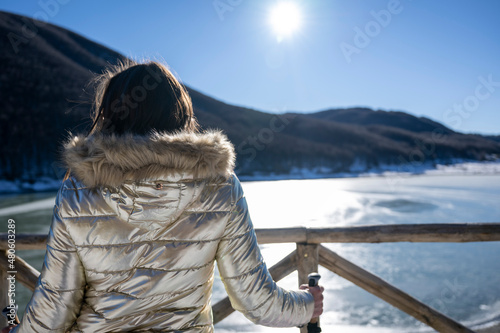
[309, 254]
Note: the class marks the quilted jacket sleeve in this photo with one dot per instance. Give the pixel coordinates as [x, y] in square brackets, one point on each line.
[58, 294]
[248, 283]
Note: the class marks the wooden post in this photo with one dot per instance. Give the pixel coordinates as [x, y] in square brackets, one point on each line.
[4, 289]
[307, 262]
[389, 293]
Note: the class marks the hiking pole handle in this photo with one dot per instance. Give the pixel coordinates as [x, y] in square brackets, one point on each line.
[313, 326]
[313, 279]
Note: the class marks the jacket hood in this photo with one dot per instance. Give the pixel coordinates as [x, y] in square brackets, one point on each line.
[110, 160]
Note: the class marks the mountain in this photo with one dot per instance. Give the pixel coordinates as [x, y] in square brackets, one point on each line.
[43, 69]
[493, 137]
[45, 93]
[398, 119]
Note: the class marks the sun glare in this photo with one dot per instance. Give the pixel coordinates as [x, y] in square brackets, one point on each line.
[285, 19]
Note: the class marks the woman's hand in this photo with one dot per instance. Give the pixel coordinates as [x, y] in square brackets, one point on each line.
[8, 328]
[317, 293]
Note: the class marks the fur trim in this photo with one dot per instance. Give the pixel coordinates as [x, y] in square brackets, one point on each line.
[109, 160]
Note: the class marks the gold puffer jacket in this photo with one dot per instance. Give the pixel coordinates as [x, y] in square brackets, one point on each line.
[136, 232]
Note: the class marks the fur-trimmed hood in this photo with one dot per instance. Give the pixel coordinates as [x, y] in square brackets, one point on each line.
[110, 160]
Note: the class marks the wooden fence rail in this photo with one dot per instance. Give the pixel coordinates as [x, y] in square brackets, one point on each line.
[439, 232]
[309, 254]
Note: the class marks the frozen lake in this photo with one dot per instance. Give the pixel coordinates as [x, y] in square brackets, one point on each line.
[461, 280]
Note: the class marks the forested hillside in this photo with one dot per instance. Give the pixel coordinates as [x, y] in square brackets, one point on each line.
[45, 94]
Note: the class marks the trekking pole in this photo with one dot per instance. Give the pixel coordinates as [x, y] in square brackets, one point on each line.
[313, 326]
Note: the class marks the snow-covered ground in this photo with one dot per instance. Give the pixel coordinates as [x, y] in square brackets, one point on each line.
[466, 168]
[458, 168]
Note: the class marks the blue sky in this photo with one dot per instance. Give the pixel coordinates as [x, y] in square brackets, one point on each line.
[433, 58]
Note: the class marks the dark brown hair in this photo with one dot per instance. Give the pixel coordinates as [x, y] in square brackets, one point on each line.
[133, 98]
[141, 98]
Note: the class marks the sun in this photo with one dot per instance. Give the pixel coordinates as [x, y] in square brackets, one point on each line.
[285, 19]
